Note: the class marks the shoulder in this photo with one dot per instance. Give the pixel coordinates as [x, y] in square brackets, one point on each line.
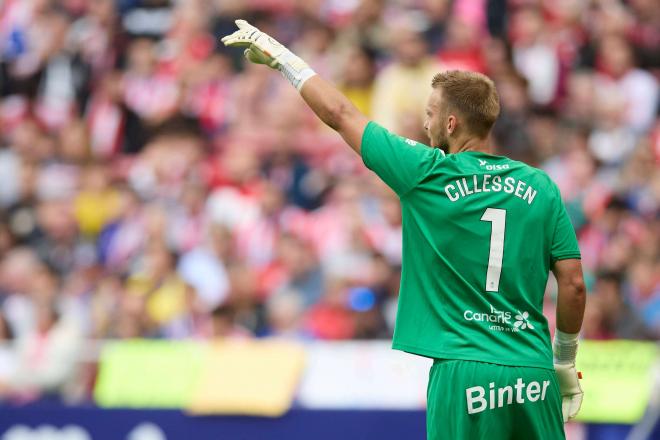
[546, 180]
[375, 131]
[538, 178]
[547, 185]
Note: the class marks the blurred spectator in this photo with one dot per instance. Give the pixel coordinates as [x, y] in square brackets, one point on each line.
[580, 101]
[207, 93]
[47, 357]
[97, 202]
[301, 274]
[95, 37]
[534, 55]
[461, 50]
[113, 126]
[611, 141]
[331, 318]
[314, 46]
[122, 238]
[285, 311]
[369, 320]
[638, 88]
[367, 23]
[204, 267]
[150, 93]
[56, 240]
[511, 130]
[289, 173]
[402, 88]
[8, 358]
[159, 287]
[223, 323]
[357, 79]
[437, 12]
[151, 18]
[22, 281]
[617, 318]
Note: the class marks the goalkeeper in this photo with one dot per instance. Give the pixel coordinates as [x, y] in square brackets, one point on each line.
[480, 235]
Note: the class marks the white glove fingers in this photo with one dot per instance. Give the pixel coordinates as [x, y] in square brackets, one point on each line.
[575, 404]
[237, 42]
[570, 406]
[242, 24]
[226, 39]
[230, 42]
[264, 49]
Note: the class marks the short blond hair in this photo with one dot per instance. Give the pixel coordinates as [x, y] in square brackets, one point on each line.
[472, 95]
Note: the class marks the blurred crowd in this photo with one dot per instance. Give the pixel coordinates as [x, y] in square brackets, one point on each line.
[153, 184]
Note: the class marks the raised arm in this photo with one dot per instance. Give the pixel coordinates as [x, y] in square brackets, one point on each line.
[329, 104]
[335, 110]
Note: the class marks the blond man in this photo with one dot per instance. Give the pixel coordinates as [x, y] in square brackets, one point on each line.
[480, 235]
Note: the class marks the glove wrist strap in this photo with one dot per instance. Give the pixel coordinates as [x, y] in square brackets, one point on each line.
[294, 69]
[565, 347]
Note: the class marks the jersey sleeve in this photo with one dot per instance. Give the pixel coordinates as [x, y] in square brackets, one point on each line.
[564, 241]
[401, 163]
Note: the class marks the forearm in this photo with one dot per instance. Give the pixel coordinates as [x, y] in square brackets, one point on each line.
[570, 312]
[335, 110]
[570, 306]
[570, 309]
[330, 105]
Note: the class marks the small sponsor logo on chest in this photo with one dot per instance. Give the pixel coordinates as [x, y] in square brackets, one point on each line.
[518, 393]
[500, 321]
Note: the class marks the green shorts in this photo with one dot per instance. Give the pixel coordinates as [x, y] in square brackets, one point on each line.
[477, 400]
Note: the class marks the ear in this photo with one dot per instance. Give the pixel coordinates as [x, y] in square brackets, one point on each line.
[452, 122]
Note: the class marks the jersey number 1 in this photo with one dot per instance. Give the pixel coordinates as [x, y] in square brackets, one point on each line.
[497, 217]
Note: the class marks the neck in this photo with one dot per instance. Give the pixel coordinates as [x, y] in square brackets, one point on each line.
[471, 144]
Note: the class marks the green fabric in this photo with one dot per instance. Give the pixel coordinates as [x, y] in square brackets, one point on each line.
[452, 207]
[523, 403]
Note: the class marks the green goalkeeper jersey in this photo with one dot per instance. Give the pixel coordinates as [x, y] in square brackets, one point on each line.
[480, 233]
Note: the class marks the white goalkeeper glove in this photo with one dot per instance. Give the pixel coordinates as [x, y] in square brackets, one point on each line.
[264, 49]
[565, 350]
